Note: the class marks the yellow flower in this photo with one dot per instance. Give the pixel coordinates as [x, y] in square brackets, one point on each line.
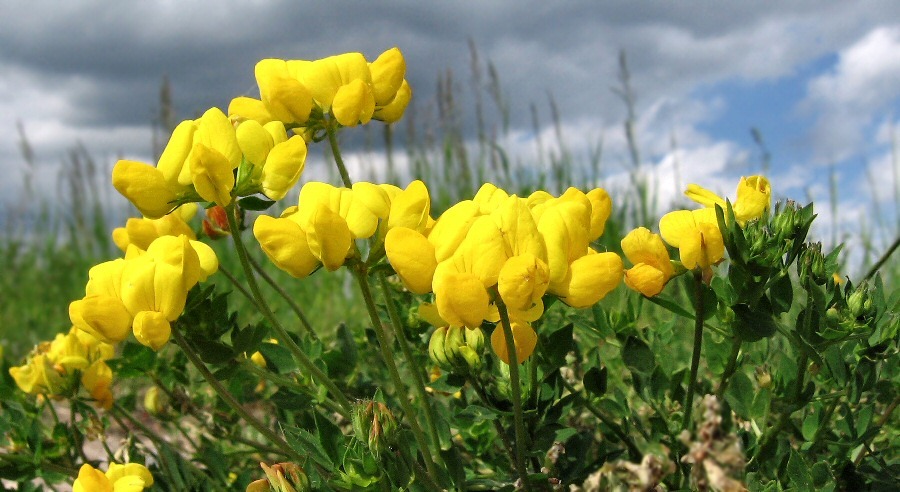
[145, 291]
[652, 268]
[141, 232]
[53, 367]
[282, 95]
[523, 281]
[323, 227]
[754, 197]
[412, 257]
[131, 477]
[198, 162]
[277, 160]
[696, 235]
[524, 339]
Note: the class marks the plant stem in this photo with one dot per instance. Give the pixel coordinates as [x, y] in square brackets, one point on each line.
[698, 345]
[387, 354]
[417, 371]
[304, 321]
[633, 452]
[230, 400]
[283, 335]
[290, 383]
[729, 368]
[887, 254]
[515, 391]
[331, 131]
[497, 426]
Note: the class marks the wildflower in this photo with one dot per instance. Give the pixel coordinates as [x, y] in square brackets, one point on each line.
[276, 159]
[131, 477]
[652, 268]
[197, 163]
[323, 227]
[141, 232]
[754, 197]
[696, 235]
[143, 292]
[71, 360]
[524, 339]
[346, 86]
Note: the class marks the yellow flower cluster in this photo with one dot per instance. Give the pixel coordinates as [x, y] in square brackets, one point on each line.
[57, 368]
[203, 161]
[517, 248]
[130, 477]
[143, 292]
[298, 93]
[323, 227]
[695, 233]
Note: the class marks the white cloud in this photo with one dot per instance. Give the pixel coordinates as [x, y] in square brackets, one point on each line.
[854, 94]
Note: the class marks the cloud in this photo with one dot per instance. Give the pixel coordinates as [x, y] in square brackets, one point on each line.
[851, 96]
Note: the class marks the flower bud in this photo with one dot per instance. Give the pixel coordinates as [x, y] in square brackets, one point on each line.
[860, 303]
[155, 402]
[282, 477]
[215, 225]
[375, 425]
[763, 378]
[457, 349]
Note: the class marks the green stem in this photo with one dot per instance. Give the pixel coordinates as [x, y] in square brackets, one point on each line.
[290, 383]
[119, 411]
[633, 452]
[515, 391]
[304, 321]
[387, 354]
[43, 465]
[730, 367]
[331, 131]
[283, 335]
[417, 371]
[231, 401]
[497, 426]
[695, 358]
[887, 254]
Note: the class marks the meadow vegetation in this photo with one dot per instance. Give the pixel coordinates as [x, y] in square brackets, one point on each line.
[772, 369]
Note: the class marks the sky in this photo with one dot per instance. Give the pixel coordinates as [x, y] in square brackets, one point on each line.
[818, 81]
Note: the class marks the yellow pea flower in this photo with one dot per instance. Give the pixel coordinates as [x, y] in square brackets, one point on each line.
[145, 187]
[393, 111]
[413, 258]
[97, 380]
[652, 268]
[283, 96]
[353, 103]
[141, 232]
[523, 280]
[153, 282]
[590, 278]
[696, 235]
[754, 197]
[284, 242]
[388, 72]
[524, 339]
[410, 208]
[247, 108]
[131, 477]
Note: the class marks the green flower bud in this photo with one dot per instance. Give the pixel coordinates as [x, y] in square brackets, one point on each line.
[282, 477]
[156, 402]
[457, 349]
[375, 425]
[859, 303]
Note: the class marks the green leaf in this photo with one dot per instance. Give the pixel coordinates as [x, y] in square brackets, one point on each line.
[798, 473]
[671, 305]
[255, 203]
[637, 356]
[752, 325]
[557, 345]
[595, 381]
[781, 293]
[288, 400]
[740, 394]
[278, 358]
